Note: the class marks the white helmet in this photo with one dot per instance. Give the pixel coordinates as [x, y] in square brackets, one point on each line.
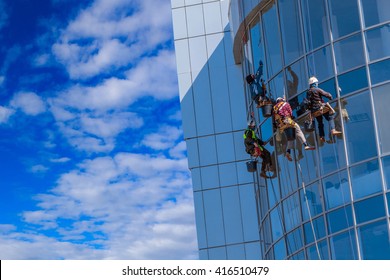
[251, 123]
[313, 80]
[279, 99]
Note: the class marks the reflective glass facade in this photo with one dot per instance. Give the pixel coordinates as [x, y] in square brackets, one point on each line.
[331, 203]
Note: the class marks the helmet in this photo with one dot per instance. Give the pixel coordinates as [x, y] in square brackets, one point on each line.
[313, 81]
[251, 123]
[279, 99]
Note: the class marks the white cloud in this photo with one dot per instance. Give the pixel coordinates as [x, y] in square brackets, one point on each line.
[29, 102]
[135, 206]
[39, 168]
[111, 34]
[164, 138]
[60, 160]
[178, 151]
[5, 113]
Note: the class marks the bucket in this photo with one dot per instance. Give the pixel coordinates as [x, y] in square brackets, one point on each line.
[290, 133]
[267, 110]
[251, 166]
[309, 126]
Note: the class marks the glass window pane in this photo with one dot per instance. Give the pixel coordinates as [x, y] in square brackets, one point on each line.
[360, 145]
[376, 206]
[273, 191]
[311, 202]
[343, 246]
[294, 241]
[296, 78]
[320, 253]
[267, 233]
[212, 17]
[203, 104]
[237, 103]
[232, 215]
[381, 100]
[318, 227]
[249, 213]
[298, 256]
[375, 11]
[236, 252]
[386, 171]
[272, 40]
[192, 153]
[228, 174]
[380, 71]
[287, 176]
[257, 45]
[316, 25]
[290, 25]
[217, 253]
[320, 64]
[219, 88]
[366, 179]
[345, 58]
[179, 21]
[207, 150]
[214, 218]
[336, 190]
[280, 250]
[276, 86]
[210, 177]
[277, 228]
[340, 219]
[344, 17]
[253, 251]
[195, 21]
[329, 86]
[353, 81]
[225, 147]
[374, 241]
[188, 114]
[377, 40]
[292, 213]
[200, 220]
[388, 201]
[196, 179]
[203, 254]
[244, 177]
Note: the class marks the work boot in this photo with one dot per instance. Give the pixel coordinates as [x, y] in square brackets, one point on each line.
[309, 148]
[322, 139]
[263, 174]
[288, 156]
[335, 132]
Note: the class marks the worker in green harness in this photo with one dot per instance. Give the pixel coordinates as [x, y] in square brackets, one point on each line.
[255, 147]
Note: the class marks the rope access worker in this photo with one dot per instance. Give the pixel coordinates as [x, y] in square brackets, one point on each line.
[257, 86]
[255, 147]
[284, 119]
[321, 109]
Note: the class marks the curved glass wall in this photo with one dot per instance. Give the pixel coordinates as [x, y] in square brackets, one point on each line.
[333, 202]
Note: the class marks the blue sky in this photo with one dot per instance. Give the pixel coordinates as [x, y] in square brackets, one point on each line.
[93, 162]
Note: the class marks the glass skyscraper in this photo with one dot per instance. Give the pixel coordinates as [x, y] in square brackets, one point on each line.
[330, 203]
